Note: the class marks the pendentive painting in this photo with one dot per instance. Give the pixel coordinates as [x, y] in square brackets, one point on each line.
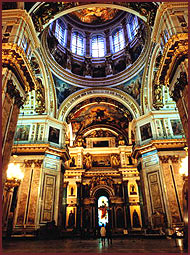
[146, 132]
[53, 135]
[22, 133]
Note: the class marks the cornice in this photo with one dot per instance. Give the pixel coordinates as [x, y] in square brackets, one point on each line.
[29, 149]
[158, 145]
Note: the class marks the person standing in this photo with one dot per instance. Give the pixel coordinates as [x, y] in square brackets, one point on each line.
[103, 234]
[109, 233]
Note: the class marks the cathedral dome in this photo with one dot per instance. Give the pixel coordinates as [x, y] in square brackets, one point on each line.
[89, 44]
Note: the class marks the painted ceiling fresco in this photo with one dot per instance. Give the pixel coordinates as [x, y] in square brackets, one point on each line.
[95, 15]
[133, 87]
[99, 113]
[63, 89]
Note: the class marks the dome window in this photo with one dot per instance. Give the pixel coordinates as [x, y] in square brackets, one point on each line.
[118, 40]
[132, 27]
[77, 45]
[60, 32]
[98, 46]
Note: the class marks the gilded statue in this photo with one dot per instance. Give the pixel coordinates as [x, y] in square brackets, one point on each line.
[87, 161]
[115, 160]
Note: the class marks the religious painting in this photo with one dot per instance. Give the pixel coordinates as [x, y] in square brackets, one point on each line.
[95, 15]
[101, 161]
[146, 132]
[63, 89]
[71, 218]
[133, 87]
[103, 206]
[99, 113]
[53, 135]
[177, 127]
[22, 133]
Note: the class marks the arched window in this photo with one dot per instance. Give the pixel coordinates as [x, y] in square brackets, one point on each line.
[77, 45]
[60, 32]
[132, 27]
[118, 40]
[98, 46]
[103, 205]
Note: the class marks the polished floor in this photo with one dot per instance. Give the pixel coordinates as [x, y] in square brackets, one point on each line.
[134, 245]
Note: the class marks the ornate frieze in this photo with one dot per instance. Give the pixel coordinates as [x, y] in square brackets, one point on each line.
[166, 158]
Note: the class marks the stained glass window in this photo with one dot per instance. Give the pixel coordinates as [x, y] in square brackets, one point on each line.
[132, 27]
[60, 32]
[103, 210]
[98, 46]
[77, 46]
[118, 40]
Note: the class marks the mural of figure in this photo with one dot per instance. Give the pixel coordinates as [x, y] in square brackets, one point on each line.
[136, 222]
[103, 208]
[71, 221]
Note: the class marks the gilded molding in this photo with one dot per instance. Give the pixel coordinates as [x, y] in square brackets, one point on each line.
[13, 57]
[166, 158]
[28, 163]
[42, 14]
[176, 46]
[179, 86]
[14, 93]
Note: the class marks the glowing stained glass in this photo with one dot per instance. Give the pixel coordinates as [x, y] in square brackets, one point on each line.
[77, 46]
[103, 210]
[98, 47]
[132, 27]
[60, 32]
[118, 40]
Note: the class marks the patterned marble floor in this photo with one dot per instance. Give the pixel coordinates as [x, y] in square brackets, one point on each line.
[134, 245]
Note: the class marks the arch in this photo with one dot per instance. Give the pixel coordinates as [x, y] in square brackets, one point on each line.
[102, 189]
[116, 94]
[71, 7]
